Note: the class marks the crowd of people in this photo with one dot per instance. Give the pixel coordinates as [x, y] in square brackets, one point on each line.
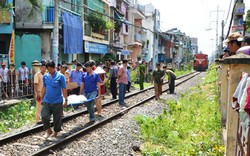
[235, 44]
[54, 83]
[13, 80]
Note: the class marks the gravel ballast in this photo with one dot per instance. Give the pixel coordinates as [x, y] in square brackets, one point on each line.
[121, 136]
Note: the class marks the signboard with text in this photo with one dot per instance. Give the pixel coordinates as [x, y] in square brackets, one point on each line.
[239, 9]
[12, 49]
[238, 28]
[95, 48]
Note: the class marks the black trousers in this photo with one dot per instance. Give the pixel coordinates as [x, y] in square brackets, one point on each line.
[128, 86]
[113, 87]
[172, 85]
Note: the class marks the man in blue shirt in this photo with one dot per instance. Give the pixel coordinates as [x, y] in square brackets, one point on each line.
[91, 85]
[76, 76]
[52, 94]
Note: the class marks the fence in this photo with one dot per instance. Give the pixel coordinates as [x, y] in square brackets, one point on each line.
[16, 88]
[235, 120]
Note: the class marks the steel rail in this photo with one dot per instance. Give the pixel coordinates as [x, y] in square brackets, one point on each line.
[49, 149]
[39, 128]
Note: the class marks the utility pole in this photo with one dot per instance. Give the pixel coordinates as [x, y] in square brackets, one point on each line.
[222, 34]
[154, 61]
[217, 31]
[55, 43]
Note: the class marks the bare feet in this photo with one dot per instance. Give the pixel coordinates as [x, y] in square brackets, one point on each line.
[54, 135]
[48, 133]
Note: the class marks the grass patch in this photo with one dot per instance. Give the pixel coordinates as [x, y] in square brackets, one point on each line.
[190, 127]
[17, 116]
[182, 72]
[146, 85]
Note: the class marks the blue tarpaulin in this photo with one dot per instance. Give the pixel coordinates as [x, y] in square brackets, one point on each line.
[72, 34]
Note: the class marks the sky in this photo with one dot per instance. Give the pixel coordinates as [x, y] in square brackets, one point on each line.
[193, 17]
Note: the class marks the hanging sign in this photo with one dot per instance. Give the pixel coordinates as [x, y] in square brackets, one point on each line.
[12, 49]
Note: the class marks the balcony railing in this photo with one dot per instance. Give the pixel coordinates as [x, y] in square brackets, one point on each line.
[48, 14]
[138, 37]
[140, 8]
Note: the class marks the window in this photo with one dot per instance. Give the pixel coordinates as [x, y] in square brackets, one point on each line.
[3, 47]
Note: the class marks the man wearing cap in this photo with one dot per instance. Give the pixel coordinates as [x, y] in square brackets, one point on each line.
[38, 87]
[226, 53]
[245, 41]
[158, 77]
[76, 76]
[245, 45]
[232, 42]
[4, 79]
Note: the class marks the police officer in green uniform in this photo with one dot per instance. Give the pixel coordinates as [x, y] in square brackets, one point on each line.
[142, 71]
[171, 78]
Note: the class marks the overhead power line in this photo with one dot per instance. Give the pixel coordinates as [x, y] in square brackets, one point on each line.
[231, 20]
[116, 19]
[229, 9]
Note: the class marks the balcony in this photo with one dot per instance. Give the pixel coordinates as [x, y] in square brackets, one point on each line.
[48, 14]
[138, 37]
[140, 8]
[138, 12]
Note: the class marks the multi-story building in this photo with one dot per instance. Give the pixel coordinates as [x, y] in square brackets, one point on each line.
[148, 37]
[34, 24]
[194, 45]
[96, 43]
[6, 29]
[157, 32]
[181, 46]
[119, 9]
[168, 47]
[135, 31]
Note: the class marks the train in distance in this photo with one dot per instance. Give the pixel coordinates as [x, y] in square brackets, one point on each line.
[201, 62]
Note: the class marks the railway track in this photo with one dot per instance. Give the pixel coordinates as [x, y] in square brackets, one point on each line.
[32, 137]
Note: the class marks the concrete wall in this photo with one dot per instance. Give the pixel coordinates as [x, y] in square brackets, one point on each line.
[148, 22]
[135, 52]
[27, 48]
[46, 45]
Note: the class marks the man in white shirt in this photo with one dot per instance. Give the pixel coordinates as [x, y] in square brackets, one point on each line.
[23, 72]
[4, 79]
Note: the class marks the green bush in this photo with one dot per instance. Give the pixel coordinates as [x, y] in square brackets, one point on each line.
[134, 74]
[16, 116]
[99, 23]
[191, 126]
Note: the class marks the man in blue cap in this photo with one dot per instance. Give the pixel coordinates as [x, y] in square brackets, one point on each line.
[227, 53]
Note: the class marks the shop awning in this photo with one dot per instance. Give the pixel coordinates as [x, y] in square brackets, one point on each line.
[72, 34]
[125, 52]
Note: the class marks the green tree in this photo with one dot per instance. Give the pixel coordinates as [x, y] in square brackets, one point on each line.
[248, 22]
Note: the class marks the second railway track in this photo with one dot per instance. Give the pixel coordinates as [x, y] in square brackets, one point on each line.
[30, 142]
